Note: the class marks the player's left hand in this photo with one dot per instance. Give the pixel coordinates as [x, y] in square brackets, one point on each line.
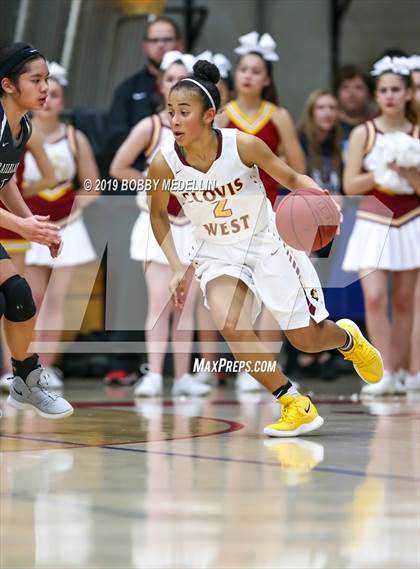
[55, 248]
[337, 205]
[177, 288]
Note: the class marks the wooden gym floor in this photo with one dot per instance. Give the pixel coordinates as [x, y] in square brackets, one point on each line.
[193, 483]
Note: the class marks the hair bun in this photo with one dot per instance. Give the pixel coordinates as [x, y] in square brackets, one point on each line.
[206, 71]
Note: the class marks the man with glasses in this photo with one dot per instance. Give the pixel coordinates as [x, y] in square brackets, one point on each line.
[138, 96]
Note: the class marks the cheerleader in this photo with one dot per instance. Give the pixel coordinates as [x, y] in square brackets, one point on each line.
[148, 136]
[255, 111]
[71, 156]
[382, 166]
[14, 244]
[23, 88]
[238, 256]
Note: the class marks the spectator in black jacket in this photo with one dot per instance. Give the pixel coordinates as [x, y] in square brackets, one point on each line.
[138, 96]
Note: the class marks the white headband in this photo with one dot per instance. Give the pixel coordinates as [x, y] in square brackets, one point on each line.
[219, 60]
[413, 62]
[265, 46]
[58, 73]
[397, 65]
[202, 88]
[170, 57]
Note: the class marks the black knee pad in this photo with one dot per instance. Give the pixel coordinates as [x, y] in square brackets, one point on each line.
[2, 304]
[17, 294]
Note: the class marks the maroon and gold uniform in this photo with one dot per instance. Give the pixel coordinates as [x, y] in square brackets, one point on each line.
[261, 125]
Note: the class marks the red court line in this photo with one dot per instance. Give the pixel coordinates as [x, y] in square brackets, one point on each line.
[231, 427]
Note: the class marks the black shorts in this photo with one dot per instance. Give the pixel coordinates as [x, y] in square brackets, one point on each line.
[3, 253]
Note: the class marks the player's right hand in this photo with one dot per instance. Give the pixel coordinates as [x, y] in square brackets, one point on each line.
[37, 228]
[177, 288]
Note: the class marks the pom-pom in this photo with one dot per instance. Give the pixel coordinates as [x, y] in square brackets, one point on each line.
[396, 147]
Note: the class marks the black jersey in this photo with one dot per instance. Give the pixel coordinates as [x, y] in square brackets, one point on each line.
[10, 150]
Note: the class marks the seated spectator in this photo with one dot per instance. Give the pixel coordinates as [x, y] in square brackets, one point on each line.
[353, 91]
[320, 136]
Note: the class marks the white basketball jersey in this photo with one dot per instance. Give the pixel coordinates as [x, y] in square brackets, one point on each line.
[226, 204]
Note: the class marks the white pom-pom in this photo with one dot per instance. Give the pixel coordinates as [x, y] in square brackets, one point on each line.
[396, 147]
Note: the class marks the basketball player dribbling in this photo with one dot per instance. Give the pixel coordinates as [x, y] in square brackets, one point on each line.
[23, 88]
[239, 258]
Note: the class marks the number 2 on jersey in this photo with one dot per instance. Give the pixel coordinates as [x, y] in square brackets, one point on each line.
[220, 211]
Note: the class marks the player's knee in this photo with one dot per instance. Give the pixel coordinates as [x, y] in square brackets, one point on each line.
[19, 303]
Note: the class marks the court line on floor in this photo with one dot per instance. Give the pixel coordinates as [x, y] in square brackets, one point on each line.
[232, 426]
[324, 469]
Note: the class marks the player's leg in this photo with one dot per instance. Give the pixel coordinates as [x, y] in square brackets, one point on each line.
[289, 286]
[231, 302]
[268, 331]
[49, 288]
[159, 308]
[29, 384]
[18, 260]
[182, 343]
[347, 338]
[207, 338]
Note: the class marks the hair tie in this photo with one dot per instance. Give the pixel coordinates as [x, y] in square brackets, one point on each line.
[203, 89]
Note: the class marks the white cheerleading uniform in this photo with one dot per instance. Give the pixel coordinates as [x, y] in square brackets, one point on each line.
[386, 234]
[144, 246]
[59, 204]
[235, 235]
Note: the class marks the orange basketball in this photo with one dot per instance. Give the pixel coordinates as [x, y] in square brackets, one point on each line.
[307, 220]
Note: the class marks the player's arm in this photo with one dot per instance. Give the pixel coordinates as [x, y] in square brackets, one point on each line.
[13, 200]
[291, 147]
[48, 179]
[158, 205]
[356, 182]
[160, 172]
[19, 219]
[136, 142]
[87, 170]
[254, 151]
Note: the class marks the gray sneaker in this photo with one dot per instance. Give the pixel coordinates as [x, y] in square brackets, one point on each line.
[33, 394]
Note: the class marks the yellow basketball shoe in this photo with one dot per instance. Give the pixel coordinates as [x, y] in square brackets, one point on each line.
[367, 360]
[298, 416]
